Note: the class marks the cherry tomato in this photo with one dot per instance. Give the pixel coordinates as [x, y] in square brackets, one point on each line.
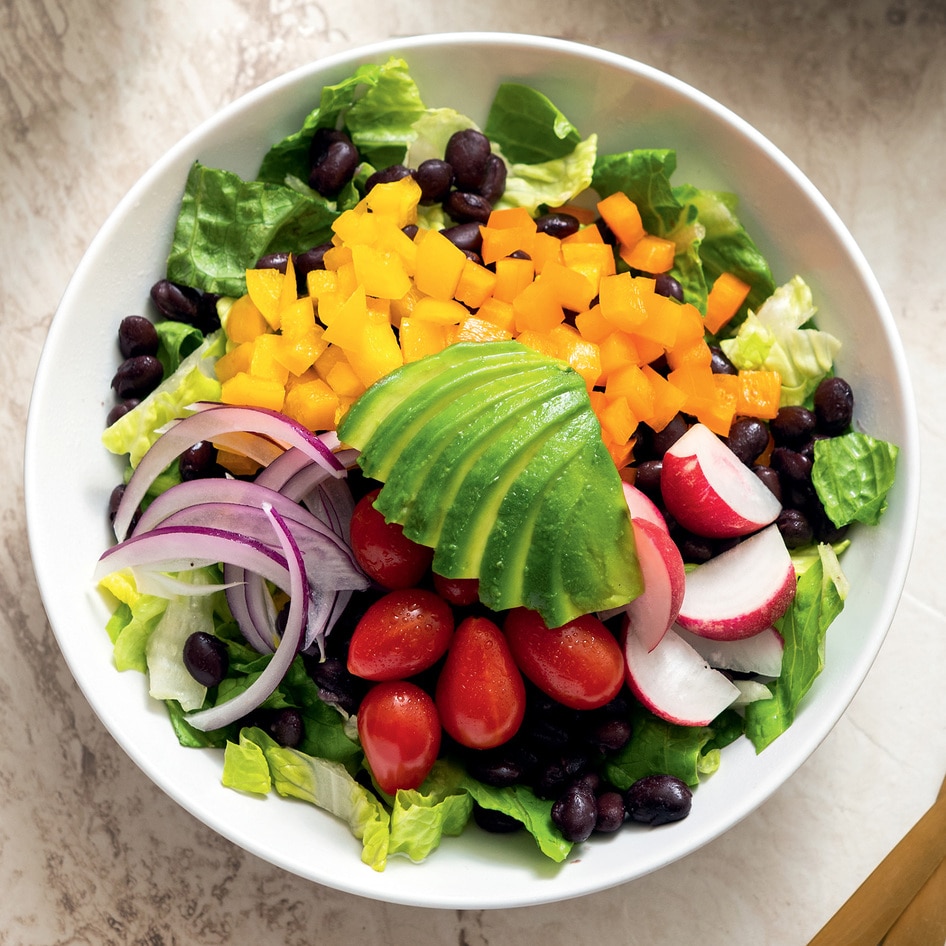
[579, 664]
[383, 551]
[457, 591]
[480, 694]
[400, 733]
[402, 633]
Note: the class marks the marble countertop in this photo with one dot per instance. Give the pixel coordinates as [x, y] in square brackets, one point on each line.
[91, 93]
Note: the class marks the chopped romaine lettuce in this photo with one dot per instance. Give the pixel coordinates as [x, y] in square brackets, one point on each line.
[194, 380]
[528, 127]
[661, 748]
[210, 253]
[524, 805]
[852, 475]
[551, 183]
[328, 785]
[818, 600]
[168, 677]
[774, 338]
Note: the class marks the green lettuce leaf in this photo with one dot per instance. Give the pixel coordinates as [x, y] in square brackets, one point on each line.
[852, 475]
[225, 224]
[726, 245]
[551, 183]
[176, 340]
[326, 784]
[524, 805]
[431, 131]
[661, 748]
[819, 599]
[774, 338]
[194, 380]
[131, 639]
[528, 127]
[245, 768]
[420, 819]
[356, 101]
[644, 175]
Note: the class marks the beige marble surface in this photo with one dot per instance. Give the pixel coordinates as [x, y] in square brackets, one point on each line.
[91, 93]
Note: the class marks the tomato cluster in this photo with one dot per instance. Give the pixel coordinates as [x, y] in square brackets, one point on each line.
[431, 673]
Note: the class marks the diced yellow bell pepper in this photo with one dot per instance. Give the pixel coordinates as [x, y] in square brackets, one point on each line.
[313, 404]
[246, 389]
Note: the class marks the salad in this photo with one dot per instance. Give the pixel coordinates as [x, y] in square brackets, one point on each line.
[476, 474]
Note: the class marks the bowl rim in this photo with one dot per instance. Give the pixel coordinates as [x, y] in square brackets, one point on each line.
[796, 750]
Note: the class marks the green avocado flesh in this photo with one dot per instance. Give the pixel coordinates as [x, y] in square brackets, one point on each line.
[491, 454]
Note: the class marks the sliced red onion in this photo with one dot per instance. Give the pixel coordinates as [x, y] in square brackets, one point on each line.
[207, 424]
[292, 636]
[187, 547]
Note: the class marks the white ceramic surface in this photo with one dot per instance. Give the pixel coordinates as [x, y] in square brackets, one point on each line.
[68, 476]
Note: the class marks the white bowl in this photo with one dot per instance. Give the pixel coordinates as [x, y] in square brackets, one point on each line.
[69, 475]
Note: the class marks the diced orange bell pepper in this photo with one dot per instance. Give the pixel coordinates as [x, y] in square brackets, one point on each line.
[651, 254]
[512, 276]
[420, 338]
[439, 264]
[475, 285]
[473, 329]
[668, 399]
[499, 313]
[248, 390]
[723, 301]
[582, 355]
[236, 360]
[593, 260]
[623, 218]
[572, 289]
[537, 307]
[244, 321]
[593, 325]
[617, 350]
[381, 274]
[264, 287]
[441, 311]
[631, 383]
[313, 404]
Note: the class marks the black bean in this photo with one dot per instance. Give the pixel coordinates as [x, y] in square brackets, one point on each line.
[336, 685]
[333, 162]
[467, 152]
[795, 528]
[176, 302]
[388, 175]
[120, 410]
[410, 231]
[611, 735]
[137, 336]
[720, 363]
[611, 812]
[466, 236]
[556, 774]
[658, 799]
[793, 468]
[494, 179]
[607, 234]
[770, 478]
[647, 479]
[499, 768]
[695, 549]
[286, 726]
[792, 426]
[467, 207]
[206, 658]
[664, 439]
[496, 822]
[834, 406]
[558, 224]
[273, 261]
[747, 438]
[575, 813]
[666, 285]
[199, 462]
[307, 262]
[434, 177]
[137, 377]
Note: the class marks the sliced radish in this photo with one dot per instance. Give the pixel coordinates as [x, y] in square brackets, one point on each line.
[652, 613]
[641, 506]
[710, 491]
[761, 653]
[741, 591]
[675, 682]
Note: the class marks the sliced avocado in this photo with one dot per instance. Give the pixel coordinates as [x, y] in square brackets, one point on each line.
[502, 569]
[392, 393]
[492, 454]
[447, 435]
[472, 510]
